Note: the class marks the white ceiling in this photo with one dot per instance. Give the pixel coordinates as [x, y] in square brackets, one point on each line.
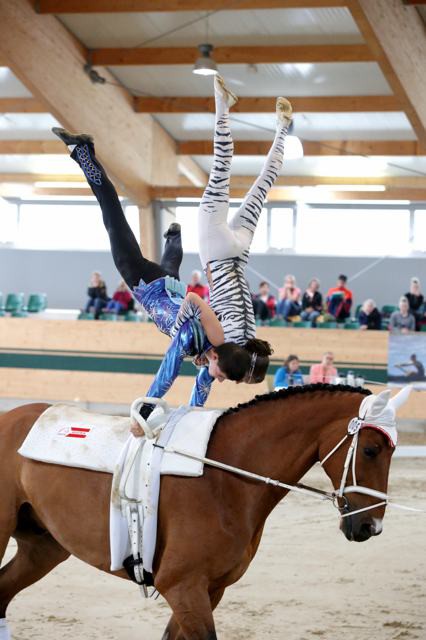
[10, 86]
[265, 27]
[324, 79]
[310, 126]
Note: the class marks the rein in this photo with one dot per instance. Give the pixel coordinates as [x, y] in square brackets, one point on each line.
[354, 427]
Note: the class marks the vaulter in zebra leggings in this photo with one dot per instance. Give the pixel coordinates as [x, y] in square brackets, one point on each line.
[224, 246]
[187, 319]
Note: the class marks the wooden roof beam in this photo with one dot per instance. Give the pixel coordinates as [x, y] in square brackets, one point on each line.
[233, 55]
[136, 150]
[31, 147]
[291, 194]
[121, 6]
[395, 34]
[312, 147]
[308, 104]
[21, 105]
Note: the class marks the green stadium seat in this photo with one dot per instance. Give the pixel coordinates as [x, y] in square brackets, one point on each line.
[301, 323]
[131, 316]
[278, 322]
[387, 309]
[20, 313]
[109, 317]
[327, 325]
[423, 327]
[2, 309]
[84, 315]
[352, 325]
[36, 302]
[14, 302]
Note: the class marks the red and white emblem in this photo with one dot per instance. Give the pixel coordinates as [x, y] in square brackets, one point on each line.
[74, 432]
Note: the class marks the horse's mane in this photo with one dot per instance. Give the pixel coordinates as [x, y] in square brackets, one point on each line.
[294, 391]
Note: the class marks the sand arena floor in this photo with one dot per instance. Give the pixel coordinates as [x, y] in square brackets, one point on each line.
[306, 582]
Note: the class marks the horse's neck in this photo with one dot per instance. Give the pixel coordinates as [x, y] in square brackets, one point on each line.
[278, 439]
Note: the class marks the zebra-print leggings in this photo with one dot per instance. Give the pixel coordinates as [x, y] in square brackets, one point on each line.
[218, 238]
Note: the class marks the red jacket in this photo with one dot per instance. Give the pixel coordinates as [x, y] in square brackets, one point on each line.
[200, 290]
[123, 297]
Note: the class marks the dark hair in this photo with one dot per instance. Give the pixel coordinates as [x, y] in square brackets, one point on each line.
[343, 277]
[263, 350]
[262, 283]
[233, 360]
[289, 359]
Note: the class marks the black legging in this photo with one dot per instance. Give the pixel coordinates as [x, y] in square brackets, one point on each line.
[126, 252]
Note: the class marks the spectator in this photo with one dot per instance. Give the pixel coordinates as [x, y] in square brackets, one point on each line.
[289, 299]
[415, 300]
[369, 316]
[264, 304]
[339, 300]
[402, 321]
[195, 286]
[120, 300]
[324, 371]
[289, 375]
[312, 302]
[97, 293]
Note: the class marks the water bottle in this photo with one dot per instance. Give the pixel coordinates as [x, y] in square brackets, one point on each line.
[350, 379]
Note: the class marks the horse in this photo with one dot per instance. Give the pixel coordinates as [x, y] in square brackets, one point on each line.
[209, 527]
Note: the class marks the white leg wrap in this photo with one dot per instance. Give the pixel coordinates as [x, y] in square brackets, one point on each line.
[4, 630]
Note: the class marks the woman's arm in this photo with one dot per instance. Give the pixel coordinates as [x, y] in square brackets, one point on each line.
[211, 325]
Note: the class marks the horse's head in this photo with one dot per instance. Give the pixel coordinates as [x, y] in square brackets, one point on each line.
[359, 466]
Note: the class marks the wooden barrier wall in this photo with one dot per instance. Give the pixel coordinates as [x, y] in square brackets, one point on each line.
[114, 362]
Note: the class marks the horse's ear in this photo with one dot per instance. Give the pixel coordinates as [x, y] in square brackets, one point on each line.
[401, 397]
[374, 405]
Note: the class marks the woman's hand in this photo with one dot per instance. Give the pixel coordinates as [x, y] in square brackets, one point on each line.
[200, 360]
[136, 429]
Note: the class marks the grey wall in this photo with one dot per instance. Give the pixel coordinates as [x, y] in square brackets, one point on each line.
[64, 275]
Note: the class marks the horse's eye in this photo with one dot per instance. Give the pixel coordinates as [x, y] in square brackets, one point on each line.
[370, 452]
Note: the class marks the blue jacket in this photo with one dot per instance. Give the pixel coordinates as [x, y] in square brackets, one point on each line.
[284, 379]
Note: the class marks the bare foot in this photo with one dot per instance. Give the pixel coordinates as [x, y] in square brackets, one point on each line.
[284, 111]
[221, 88]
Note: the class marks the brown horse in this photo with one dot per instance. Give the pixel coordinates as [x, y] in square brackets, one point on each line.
[209, 527]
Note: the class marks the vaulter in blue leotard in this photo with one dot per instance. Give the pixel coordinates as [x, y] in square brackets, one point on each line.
[187, 319]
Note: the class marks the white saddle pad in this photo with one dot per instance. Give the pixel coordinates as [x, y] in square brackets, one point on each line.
[73, 437]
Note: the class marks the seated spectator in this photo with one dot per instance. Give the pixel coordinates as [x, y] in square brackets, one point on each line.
[339, 300]
[324, 371]
[312, 302]
[97, 293]
[289, 375]
[369, 316]
[120, 300]
[264, 303]
[289, 299]
[416, 301]
[402, 321]
[195, 286]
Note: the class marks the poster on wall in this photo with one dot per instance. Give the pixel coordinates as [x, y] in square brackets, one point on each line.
[407, 360]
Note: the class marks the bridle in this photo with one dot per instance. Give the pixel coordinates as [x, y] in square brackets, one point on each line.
[354, 428]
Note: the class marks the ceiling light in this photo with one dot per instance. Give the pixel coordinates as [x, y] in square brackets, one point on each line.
[205, 65]
[352, 187]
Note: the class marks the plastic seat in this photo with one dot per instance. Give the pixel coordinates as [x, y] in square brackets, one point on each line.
[14, 302]
[302, 323]
[37, 302]
[352, 325]
[131, 316]
[388, 309]
[278, 322]
[327, 325]
[109, 317]
[84, 315]
[20, 313]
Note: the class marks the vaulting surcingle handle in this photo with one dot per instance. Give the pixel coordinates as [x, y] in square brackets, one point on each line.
[135, 415]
